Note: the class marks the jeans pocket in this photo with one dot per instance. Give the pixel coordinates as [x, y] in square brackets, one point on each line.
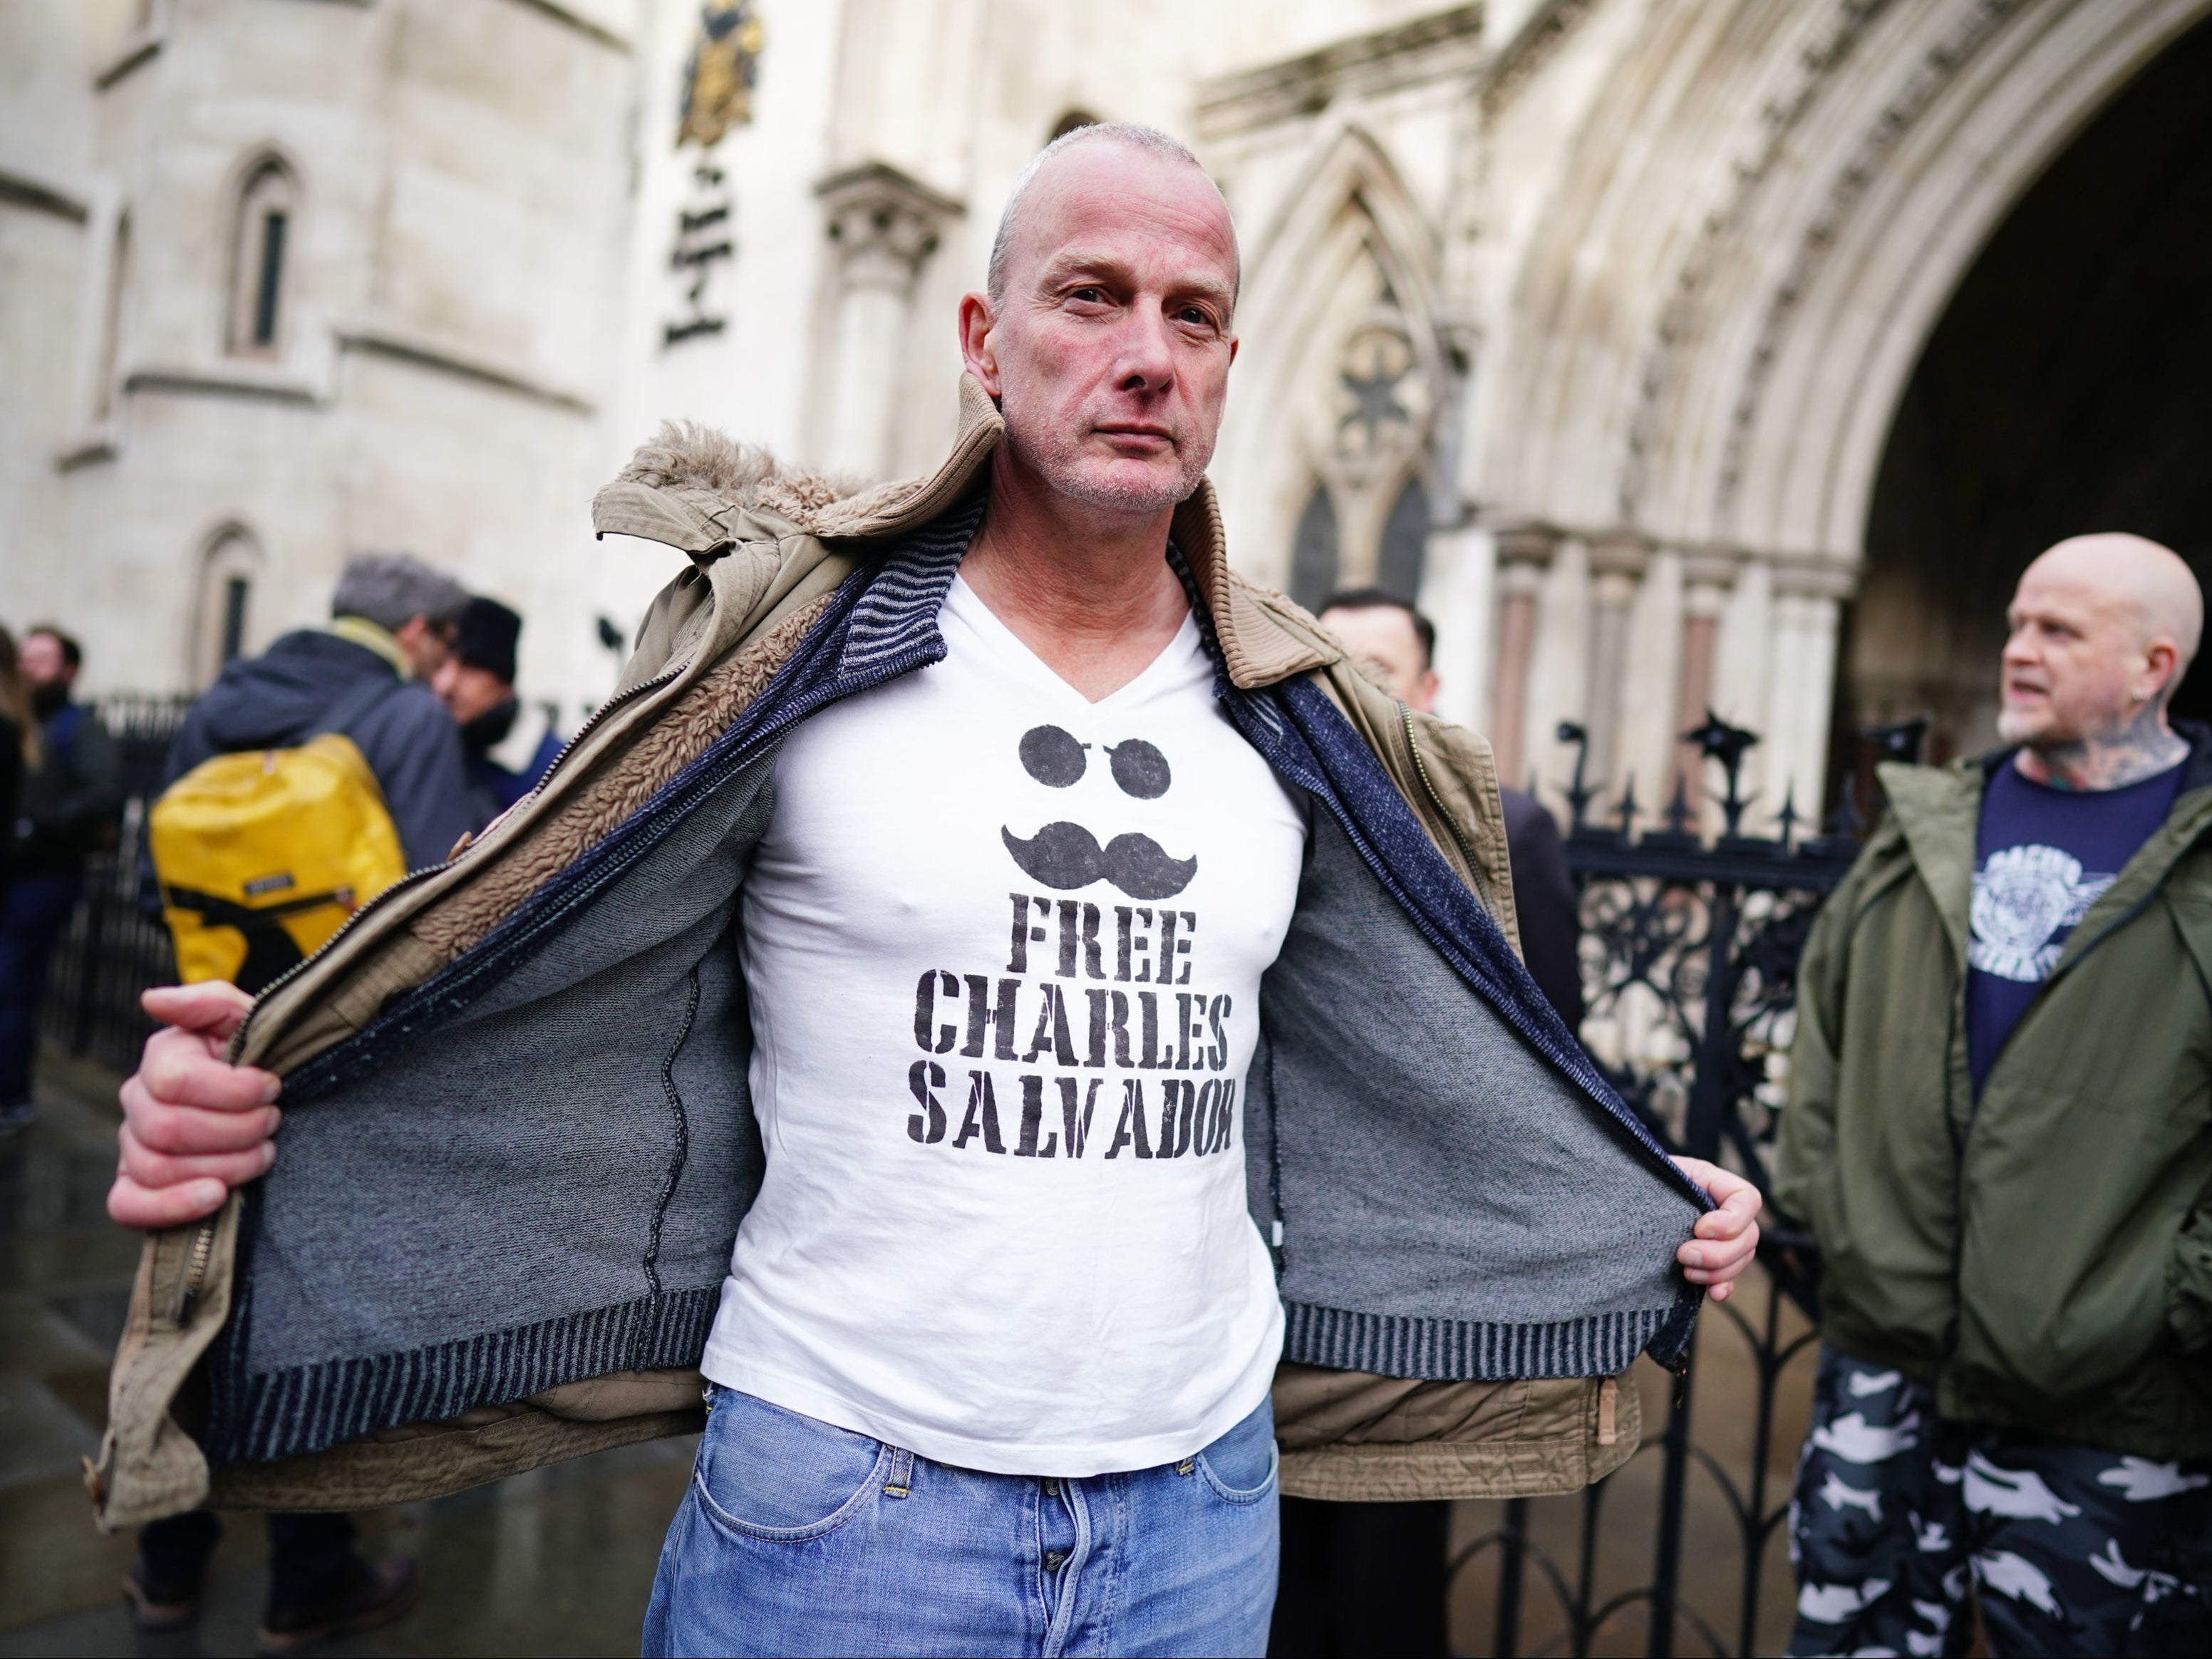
[1240, 1466]
[767, 1473]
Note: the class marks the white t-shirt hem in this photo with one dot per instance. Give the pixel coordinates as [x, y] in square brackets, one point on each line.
[1072, 1461]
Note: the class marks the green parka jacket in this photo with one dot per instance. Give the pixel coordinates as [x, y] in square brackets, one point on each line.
[2045, 1253]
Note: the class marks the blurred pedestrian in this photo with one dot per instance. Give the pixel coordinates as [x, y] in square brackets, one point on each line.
[393, 622]
[508, 747]
[1371, 1578]
[65, 808]
[19, 749]
[2000, 1131]
[365, 677]
[1395, 644]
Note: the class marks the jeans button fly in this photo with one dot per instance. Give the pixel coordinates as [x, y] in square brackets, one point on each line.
[1054, 1560]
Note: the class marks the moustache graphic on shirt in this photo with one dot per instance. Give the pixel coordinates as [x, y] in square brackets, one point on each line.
[1066, 856]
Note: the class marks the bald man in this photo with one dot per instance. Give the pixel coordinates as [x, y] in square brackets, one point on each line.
[2000, 1130]
[953, 1216]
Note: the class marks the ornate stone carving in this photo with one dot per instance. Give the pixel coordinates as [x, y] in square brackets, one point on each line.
[1779, 119]
[1938, 66]
[1383, 401]
[884, 225]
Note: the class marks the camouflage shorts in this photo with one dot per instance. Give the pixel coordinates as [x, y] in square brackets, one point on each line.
[2068, 1549]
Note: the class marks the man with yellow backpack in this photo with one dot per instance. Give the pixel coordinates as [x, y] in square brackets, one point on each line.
[312, 777]
[307, 780]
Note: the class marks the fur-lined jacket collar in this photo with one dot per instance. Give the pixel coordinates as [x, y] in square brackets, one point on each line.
[697, 490]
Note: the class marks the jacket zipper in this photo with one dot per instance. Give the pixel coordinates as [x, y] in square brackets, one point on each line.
[196, 1266]
[620, 699]
[1436, 800]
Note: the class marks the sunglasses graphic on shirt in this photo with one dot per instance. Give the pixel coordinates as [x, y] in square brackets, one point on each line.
[1066, 856]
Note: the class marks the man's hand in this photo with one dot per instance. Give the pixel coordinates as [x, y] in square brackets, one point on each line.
[1723, 1241]
[193, 1125]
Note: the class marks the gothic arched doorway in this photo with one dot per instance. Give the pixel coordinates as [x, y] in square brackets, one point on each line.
[2068, 388]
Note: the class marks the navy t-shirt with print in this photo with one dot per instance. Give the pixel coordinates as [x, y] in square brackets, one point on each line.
[2043, 856]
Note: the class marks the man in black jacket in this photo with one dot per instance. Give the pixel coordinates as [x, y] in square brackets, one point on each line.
[1396, 644]
[508, 746]
[393, 620]
[65, 806]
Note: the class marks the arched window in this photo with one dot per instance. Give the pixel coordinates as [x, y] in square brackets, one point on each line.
[1313, 551]
[223, 611]
[268, 215]
[1405, 542]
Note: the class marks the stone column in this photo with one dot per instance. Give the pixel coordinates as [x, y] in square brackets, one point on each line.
[1616, 564]
[1558, 664]
[1706, 578]
[1522, 551]
[1456, 594]
[1744, 650]
[1644, 750]
[1805, 597]
[881, 226]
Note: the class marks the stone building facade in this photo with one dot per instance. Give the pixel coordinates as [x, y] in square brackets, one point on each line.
[1676, 353]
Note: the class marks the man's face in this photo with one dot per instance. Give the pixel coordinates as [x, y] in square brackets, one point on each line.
[2074, 660]
[1384, 642]
[428, 645]
[468, 691]
[42, 664]
[1109, 352]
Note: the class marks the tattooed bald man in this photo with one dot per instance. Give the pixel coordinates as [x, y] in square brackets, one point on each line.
[2000, 1130]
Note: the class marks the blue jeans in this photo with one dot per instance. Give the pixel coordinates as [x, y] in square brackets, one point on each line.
[33, 910]
[799, 1538]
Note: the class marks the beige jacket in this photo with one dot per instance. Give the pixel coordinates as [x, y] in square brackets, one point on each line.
[766, 551]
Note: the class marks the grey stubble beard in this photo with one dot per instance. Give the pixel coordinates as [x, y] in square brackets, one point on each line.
[1058, 465]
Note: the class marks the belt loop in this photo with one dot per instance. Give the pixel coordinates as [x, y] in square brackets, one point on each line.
[900, 1482]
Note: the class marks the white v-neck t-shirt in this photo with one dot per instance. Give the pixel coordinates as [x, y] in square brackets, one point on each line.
[1003, 950]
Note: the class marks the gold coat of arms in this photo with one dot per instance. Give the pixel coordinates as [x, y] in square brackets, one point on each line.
[718, 80]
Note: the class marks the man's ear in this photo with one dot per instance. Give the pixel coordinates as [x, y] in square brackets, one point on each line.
[978, 319]
[2160, 659]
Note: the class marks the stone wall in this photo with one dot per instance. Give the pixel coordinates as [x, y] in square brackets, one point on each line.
[1589, 320]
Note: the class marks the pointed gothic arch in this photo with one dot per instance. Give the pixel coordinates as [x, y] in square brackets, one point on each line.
[1347, 367]
[1753, 233]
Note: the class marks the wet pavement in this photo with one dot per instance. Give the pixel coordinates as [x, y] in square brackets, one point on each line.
[560, 1561]
[1723, 1415]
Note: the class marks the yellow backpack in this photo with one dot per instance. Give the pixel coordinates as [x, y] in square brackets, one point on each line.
[262, 856]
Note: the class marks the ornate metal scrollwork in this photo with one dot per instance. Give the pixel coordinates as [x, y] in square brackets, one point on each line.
[1689, 953]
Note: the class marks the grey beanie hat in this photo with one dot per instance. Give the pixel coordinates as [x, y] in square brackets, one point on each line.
[390, 588]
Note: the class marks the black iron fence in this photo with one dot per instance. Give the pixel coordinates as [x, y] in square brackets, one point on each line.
[1689, 953]
[115, 946]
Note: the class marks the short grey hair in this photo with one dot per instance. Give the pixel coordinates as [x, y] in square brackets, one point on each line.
[1151, 140]
[390, 589]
